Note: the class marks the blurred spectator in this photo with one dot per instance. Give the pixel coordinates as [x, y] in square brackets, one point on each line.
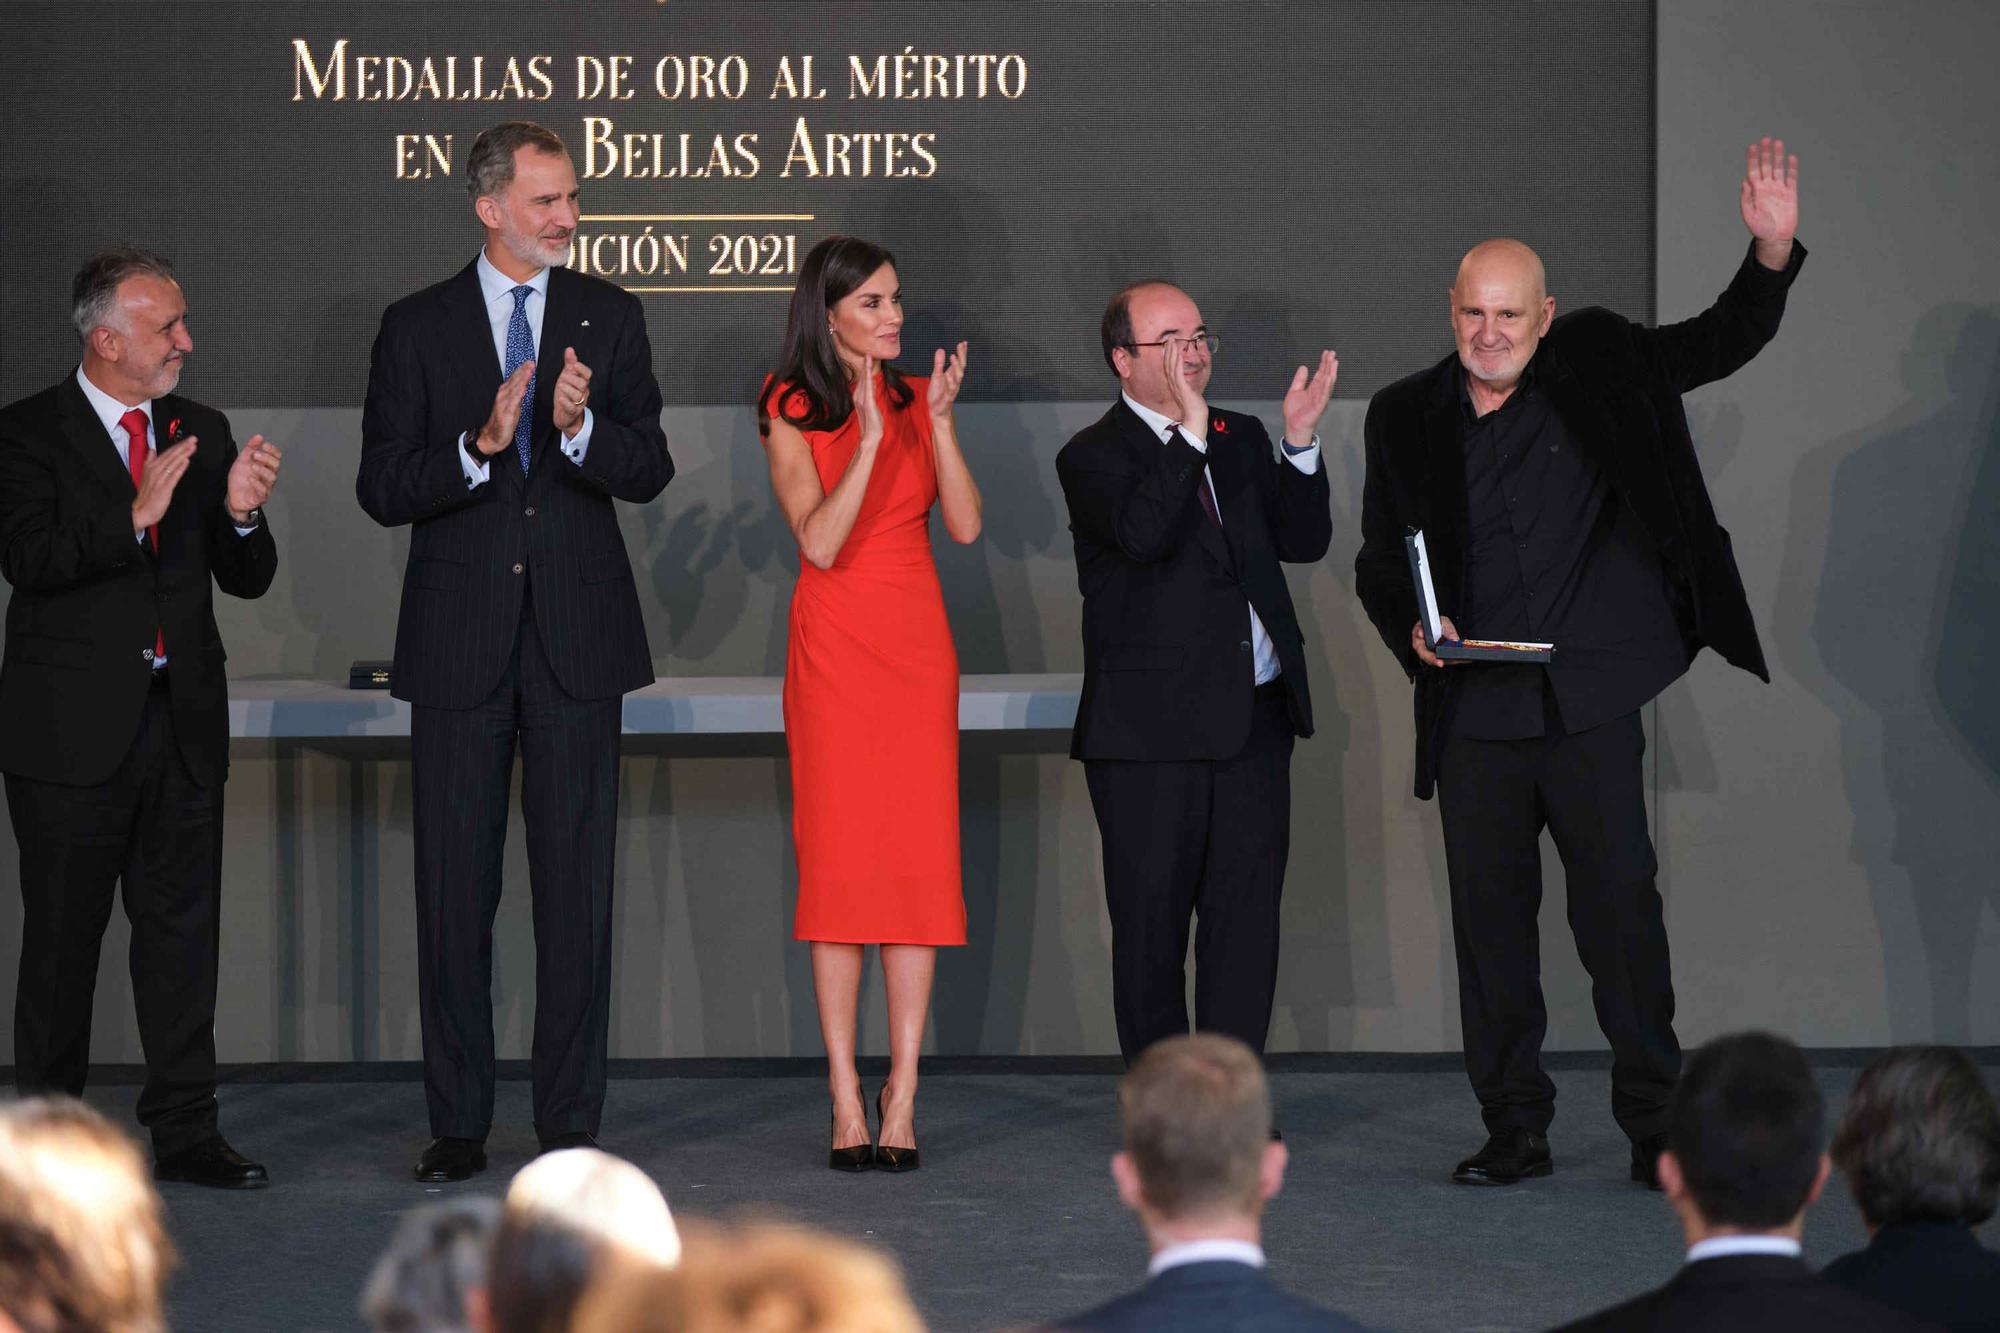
[425, 1279]
[1920, 1146]
[82, 1244]
[754, 1279]
[1743, 1161]
[1199, 1165]
[566, 1213]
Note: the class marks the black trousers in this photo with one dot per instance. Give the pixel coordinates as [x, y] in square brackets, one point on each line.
[153, 829]
[1588, 789]
[1202, 840]
[462, 764]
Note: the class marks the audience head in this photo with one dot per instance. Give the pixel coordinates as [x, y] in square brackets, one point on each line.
[567, 1213]
[754, 1279]
[424, 1282]
[1920, 1139]
[846, 307]
[1198, 1157]
[1500, 308]
[523, 188]
[1147, 328]
[132, 320]
[82, 1245]
[1746, 1137]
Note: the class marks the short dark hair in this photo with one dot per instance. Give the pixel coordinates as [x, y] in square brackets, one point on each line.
[1747, 1126]
[1196, 1114]
[1920, 1139]
[489, 167]
[1115, 329]
[93, 292]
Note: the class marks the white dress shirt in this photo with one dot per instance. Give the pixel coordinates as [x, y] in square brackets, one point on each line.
[1719, 1247]
[1305, 460]
[110, 412]
[1206, 1252]
[498, 290]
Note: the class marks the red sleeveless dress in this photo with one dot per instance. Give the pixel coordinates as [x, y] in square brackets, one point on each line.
[871, 706]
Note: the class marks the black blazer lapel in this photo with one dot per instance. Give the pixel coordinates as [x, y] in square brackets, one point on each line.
[1447, 507]
[1145, 447]
[468, 338]
[1229, 467]
[1596, 434]
[561, 315]
[80, 426]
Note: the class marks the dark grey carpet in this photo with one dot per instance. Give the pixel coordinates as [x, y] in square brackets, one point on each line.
[1013, 1219]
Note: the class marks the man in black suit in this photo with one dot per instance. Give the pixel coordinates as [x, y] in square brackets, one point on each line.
[507, 408]
[1198, 1167]
[1194, 671]
[120, 502]
[1747, 1132]
[1549, 466]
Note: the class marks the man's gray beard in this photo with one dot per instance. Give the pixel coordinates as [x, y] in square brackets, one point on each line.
[528, 251]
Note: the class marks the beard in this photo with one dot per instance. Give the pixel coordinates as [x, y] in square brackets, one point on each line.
[534, 250]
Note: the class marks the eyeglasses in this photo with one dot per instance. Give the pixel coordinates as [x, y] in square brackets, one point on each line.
[1212, 341]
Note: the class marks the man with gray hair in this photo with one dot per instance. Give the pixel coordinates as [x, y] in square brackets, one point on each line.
[1198, 1166]
[122, 507]
[508, 408]
[430, 1277]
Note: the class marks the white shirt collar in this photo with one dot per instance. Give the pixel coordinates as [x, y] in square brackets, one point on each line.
[1155, 422]
[1206, 1251]
[493, 284]
[109, 409]
[1718, 1247]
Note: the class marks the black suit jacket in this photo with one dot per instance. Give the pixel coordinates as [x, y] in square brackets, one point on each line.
[1167, 664]
[1217, 1297]
[89, 597]
[1617, 386]
[1932, 1270]
[1748, 1293]
[473, 550]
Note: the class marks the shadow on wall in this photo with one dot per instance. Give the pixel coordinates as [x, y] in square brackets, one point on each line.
[1898, 522]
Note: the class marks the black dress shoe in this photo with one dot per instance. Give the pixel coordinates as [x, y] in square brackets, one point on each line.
[1646, 1160]
[212, 1163]
[1509, 1155]
[892, 1159]
[450, 1159]
[576, 1138]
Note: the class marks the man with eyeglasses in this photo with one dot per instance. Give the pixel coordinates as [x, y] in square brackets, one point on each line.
[1194, 683]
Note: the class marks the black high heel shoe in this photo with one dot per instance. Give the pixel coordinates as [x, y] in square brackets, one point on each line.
[887, 1158]
[858, 1158]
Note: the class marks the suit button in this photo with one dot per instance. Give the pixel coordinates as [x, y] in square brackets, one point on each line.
[519, 568]
[146, 654]
[1245, 645]
[529, 511]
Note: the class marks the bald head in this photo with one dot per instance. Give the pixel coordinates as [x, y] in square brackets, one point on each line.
[1500, 308]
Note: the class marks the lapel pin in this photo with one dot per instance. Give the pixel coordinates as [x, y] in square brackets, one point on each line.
[1220, 426]
[586, 324]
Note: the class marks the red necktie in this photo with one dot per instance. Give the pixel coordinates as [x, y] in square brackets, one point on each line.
[1207, 496]
[134, 423]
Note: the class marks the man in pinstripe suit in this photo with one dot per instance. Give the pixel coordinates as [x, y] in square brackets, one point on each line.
[507, 407]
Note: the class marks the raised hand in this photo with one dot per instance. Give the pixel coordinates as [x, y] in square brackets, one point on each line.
[1189, 405]
[508, 403]
[1770, 198]
[867, 406]
[251, 477]
[946, 377]
[1305, 401]
[156, 488]
[572, 393]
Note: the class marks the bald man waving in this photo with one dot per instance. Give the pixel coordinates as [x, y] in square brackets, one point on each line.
[1549, 466]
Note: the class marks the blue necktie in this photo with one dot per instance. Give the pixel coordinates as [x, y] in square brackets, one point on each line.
[521, 347]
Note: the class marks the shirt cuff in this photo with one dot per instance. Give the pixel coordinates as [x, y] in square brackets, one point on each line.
[475, 473]
[1305, 460]
[242, 531]
[575, 449]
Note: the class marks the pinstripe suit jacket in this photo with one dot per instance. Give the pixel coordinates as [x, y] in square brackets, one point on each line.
[473, 550]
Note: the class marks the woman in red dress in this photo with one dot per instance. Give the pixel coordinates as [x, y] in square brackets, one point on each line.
[859, 453]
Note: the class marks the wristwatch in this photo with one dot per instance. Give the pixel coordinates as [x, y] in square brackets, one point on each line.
[251, 519]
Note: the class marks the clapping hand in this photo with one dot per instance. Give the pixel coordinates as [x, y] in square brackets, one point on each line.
[1189, 405]
[572, 393]
[251, 477]
[1305, 401]
[508, 402]
[946, 378]
[866, 405]
[1770, 199]
[156, 488]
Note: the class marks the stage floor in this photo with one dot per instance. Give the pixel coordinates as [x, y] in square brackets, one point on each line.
[1012, 1221]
